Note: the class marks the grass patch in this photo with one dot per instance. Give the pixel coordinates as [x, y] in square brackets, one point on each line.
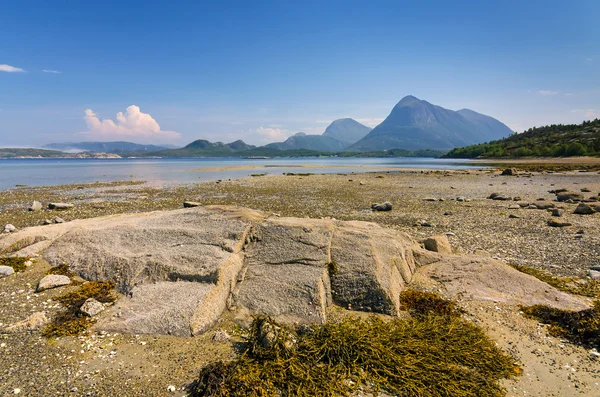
[17, 263]
[428, 355]
[573, 285]
[72, 321]
[581, 327]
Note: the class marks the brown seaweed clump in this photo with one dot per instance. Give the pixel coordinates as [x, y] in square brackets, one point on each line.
[17, 263]
[581, 327]
[72, 321]
[435, 353]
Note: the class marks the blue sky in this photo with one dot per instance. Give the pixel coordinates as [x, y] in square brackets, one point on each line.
[261, 71]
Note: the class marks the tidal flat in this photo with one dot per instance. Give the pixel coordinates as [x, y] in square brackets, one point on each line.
[424, 203]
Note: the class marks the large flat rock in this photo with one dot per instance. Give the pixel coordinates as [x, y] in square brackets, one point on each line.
[178, 271]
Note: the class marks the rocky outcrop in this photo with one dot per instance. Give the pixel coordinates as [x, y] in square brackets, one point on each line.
[178, 271]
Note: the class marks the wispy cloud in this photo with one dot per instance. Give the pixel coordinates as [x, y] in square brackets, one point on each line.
[51, 71]
[589, 59]
[588, 114]
[10, 69]
[547, 92]
[132, 123]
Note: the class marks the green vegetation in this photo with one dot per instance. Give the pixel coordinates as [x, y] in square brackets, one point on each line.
[579, 327]
[62, 270]
[555, 140]
[436, 353]
[573, 285]
[17, 263]
[72, 321]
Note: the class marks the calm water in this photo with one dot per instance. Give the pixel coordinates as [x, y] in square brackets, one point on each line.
[43, 172]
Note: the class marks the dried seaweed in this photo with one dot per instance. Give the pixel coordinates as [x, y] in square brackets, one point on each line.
[17, 263]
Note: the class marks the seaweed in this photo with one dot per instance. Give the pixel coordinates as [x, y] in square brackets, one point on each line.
[72, 321]
[422, 304]
[428, 355]
[573, 285]
[62, 270]
[17, 263]
[581, 327]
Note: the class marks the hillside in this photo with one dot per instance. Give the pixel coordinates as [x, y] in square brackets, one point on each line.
[415, 124]
[347, 130]
[108, 147]
[555, 140]
[204, 148]
[15, 153]
[321, 143]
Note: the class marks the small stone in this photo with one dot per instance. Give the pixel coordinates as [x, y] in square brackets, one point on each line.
[171, 389]
[59, 220]
[191, 204]
[514, 207]
[60, 206]
[594, 274]
[439, 244]
[461, 199]
[557, 212]
[430, 199]
[557, 223]
[47, 222]
[6, 271]
[9, 228]
[566, 196]
[53, 281]
[91, 307]
[221, 336]
[584, 209]
[35, 206]
[513, 216]
[387, 206]
[16, 391]
[448, 213]
[509, 172]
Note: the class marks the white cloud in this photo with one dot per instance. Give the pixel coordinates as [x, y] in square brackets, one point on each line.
[547, 92]
[51, 71]
[274, 134]
[133, 123]
[589, 59]
[10, 69]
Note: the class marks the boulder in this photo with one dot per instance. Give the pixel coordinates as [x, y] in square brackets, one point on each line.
[34, 321]
[509, 171]
[91, 307]
[566, 196]
[439, 244]
[6, 271]
[60, 206]
[584, 209]
[53, 281]
[387, 206]
[35, 206]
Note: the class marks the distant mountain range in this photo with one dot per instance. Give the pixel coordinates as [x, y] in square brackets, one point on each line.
[108, 147]
[414, 124]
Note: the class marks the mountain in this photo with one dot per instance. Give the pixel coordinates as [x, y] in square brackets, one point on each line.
[204, 148]
[549, 141]
[347, 130]
[109, 147]
[414, 124]
[322, 143]
[32, 153]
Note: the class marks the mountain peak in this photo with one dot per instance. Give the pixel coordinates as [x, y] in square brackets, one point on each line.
[346, 130]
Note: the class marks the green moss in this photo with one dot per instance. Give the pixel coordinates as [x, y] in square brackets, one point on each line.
[17, 263]
[423, 356]
[573, 285]
[72, 321]
[579, 327]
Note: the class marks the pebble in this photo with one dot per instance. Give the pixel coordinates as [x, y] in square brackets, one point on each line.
[171, 388]
[9, 228]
